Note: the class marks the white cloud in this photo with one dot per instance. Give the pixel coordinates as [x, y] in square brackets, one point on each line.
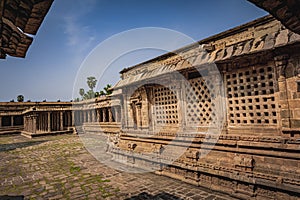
[79, 36]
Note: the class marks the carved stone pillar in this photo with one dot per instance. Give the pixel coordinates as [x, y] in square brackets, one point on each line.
[53, 121]
[69, 118]
[79, 117]
[72, 118]
[25, 123]
[281, 64]
[34, 123]
[98, 115]
[49, 122]
[88, 116]
[110, 115]
[139, 115]
[29, 120]
[61, 120]
[43, 122]
[116, 111]
[38, 124]
[113, 111]
[83, 116]
[93, 115]
[104, 117]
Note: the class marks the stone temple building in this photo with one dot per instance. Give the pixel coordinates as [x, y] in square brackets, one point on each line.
[222, 113]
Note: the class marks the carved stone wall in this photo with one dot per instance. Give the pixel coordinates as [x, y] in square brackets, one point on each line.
[199, 103]
[256, 154]
[251, 97]
[165, 105]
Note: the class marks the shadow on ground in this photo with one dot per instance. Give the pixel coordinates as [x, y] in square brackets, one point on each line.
[13, 146]
[11, 197]
[160, 196]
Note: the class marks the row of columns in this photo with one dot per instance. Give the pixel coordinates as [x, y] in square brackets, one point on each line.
[107, 114]
[48, 121]
[13, 120]
[41, 122]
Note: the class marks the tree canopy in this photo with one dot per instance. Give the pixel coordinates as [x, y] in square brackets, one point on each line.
[20, 98]
[91, 82]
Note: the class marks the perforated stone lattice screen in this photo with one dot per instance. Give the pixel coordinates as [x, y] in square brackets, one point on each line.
[166, 105]
[251, 98]
[200, 104]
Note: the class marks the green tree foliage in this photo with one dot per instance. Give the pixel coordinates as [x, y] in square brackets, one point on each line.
[20, 98]
[89, 95]
[81, 92]
[91, 82]
[76, 100]
[102, 93]
[108, 89]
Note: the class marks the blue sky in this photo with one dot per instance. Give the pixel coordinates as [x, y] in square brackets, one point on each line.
[73, 28]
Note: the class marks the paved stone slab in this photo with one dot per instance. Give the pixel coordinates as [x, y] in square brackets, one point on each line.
[59, 167]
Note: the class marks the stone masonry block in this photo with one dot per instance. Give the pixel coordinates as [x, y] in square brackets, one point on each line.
[295, 123]
[282, 38]
[285, 113]
[296, 113]
[285, 123]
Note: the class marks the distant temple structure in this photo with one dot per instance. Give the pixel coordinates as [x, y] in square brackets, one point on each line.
[231, 102]
[18, 19]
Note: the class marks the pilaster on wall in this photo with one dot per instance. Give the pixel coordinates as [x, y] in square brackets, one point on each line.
[181, 92]
[223, 70]
[290, 111]
[150, 103]
[124, 110]
[285, 115]
[218, 97]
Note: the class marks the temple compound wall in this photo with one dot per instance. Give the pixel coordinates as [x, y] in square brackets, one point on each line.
[41, 118]
[35, 118]
[99, 114]
[48, 118]
[229, 104]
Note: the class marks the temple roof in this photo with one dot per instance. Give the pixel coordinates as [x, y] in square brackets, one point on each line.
[18, 19]
[261, 35]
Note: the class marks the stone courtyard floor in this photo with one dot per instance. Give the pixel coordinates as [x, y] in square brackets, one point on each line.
[59, 167]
